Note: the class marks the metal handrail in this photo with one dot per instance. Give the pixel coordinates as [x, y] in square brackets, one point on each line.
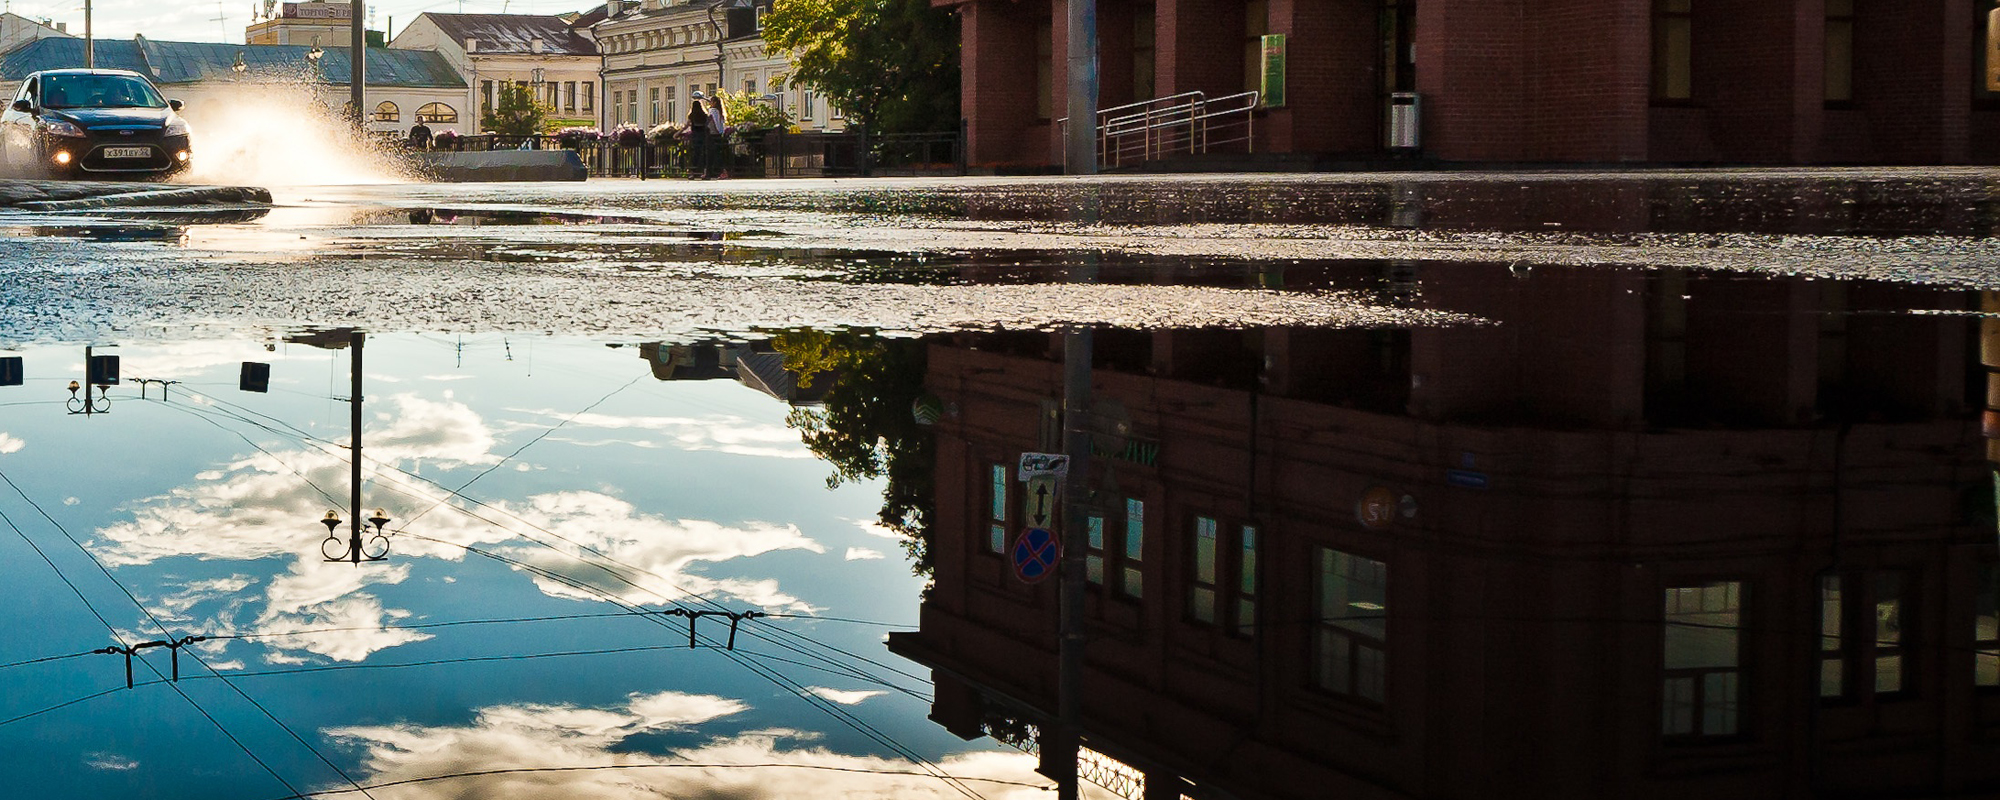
[1193, 127]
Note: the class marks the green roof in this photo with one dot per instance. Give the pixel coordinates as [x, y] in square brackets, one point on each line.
[190, 62]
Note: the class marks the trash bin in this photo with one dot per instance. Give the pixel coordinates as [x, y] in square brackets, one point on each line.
[1405, 121]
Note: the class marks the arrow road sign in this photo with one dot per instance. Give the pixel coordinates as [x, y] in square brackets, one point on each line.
[1039, 502]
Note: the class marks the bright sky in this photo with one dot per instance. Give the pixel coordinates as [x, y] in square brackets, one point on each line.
[195, 20]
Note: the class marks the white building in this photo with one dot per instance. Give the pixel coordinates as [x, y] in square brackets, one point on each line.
[553, 57]
[17, 30]
[657, 53]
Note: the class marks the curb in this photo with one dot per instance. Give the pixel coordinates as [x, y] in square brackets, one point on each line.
[198, 195]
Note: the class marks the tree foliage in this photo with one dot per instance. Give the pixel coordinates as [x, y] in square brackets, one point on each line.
[515, 112]
[890, 64]
[865, 427]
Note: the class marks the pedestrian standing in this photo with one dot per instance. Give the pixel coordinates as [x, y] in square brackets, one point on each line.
[718, 128]
[697, 126]
[420, 136]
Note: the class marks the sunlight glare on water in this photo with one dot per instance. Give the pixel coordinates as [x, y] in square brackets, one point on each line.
[277, 135]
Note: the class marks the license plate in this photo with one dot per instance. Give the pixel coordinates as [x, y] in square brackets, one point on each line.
[128, 152]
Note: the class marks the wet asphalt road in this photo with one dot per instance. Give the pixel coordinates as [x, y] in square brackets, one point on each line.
[666, 258]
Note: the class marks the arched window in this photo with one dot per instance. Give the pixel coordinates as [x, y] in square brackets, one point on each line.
[388, 112]
[435, 113]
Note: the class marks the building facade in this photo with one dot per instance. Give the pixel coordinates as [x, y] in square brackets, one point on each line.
[17, 30]
[314, 22]
[657, 53]
[1657, 534]
[1519, 81]
[555, 58]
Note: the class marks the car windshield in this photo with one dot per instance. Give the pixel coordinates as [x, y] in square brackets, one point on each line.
[99, 91]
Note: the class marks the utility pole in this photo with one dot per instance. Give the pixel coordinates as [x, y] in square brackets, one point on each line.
[1081, 138]
[1069, 648]
[357, 82]
[89, 41]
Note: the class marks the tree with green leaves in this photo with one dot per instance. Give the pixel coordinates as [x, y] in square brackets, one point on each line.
[865, 428]
[892, 65]
[515, 113]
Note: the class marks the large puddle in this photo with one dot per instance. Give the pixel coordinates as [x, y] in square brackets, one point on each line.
[721, 495]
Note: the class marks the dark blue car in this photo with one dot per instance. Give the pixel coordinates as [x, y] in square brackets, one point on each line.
[93, 123]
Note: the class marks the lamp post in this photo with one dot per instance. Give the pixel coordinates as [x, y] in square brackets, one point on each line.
[721, 80]
[89, 41]
[358, 70]
[99, 374]
[376, 547]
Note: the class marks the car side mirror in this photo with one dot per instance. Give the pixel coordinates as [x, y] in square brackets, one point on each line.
[24, 106]
[175, 105]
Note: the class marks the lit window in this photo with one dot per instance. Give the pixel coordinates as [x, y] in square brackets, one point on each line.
[1246, 582]
[1702, 686]
[437, 113]
[1350, 642]
[1889, 602]
[1133, 583]
[1832, 658]
[1201, 590]
[996, 529]
[386, 111]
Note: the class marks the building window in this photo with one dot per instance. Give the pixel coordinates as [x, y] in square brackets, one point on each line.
[673, 104]
[437, 114]
[1890, 605]
[1839, 51]
[569, 96]
[806, 102]
[618, 107]
[750, 87]
[386, 111]
[1832, 652]
[632, 106]
[589, 95]
[1702, 656]
[1045, 70]
[1673, 50]
[1201, 588]
[996, 529]
[1986, 628]
[1351, 629]
[1132, 573]
[761, 11]
[653, 101]
[1246, 581]
[485, 97]
[1256, 23]
[1093, 558]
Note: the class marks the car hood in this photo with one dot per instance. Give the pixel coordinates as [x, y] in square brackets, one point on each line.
[113, 117]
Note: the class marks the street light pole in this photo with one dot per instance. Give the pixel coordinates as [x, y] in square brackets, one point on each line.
[1081, 138]
[357, 81]
[89, 41]
[354, 409]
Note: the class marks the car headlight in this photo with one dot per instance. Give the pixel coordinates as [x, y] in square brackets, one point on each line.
[58, 127]
[177, 127]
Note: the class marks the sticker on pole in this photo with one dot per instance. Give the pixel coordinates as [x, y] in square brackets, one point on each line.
[1032, 464]
[1035, 553]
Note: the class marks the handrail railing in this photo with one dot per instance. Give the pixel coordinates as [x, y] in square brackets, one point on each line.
[1149, 131]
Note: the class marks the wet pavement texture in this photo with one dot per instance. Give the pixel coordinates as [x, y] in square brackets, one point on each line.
[1440, 486]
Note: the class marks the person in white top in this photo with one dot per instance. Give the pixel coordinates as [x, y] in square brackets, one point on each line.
[718, 125]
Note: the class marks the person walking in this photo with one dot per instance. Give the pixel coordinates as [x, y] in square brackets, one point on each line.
[718, 128]
[697, 126]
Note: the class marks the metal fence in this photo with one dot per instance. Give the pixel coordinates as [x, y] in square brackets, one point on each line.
[770, 154]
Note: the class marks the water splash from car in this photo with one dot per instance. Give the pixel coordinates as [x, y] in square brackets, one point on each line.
[278, 135]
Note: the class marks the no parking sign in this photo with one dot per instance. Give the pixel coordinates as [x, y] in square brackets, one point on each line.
[1035, 554]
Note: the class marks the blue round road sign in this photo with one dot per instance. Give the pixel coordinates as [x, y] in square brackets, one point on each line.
[1035, 554]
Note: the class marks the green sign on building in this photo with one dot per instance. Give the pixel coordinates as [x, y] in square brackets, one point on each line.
[1273, 89]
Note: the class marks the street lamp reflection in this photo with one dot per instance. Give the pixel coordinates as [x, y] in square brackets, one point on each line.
[355, 550]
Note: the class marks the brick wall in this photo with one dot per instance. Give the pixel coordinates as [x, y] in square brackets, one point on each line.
[1913, 78]
[1200, 47]
[997, 84]
[1333, 78]
[1469, 69]
[1588, 73]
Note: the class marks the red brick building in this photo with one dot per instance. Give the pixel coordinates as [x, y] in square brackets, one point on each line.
[1655, 535]
[1518, 81]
